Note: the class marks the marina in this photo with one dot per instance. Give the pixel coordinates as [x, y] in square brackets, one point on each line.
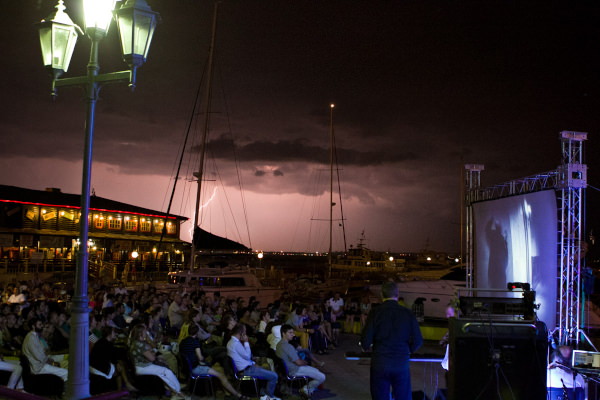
[260, 140]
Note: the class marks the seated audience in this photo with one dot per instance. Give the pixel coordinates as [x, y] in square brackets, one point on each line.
[238, 348]
[191, 351]
[144, 358]
[35, 351]
[103, 360]
[296, 366]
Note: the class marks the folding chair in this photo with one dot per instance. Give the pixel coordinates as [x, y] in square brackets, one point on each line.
[290, 380]
[240, 378]
[186, 365]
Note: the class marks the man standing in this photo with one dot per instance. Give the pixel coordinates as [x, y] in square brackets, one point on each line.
[34, 350]
[238, 349]
[336, 306]
[392, 333]
[295, 365]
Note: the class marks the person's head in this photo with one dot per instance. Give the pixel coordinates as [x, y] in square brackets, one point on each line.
[109, 333]
[265, 316]
[287, 332]
[389, 290]
[229, 322]
[563, 355]
[47, 330]
[193, 330]
[239, 331]
[337, 295]
[300, 309]
[138, 332]
[62, 318]
[92, 320]
[36, 325]
[156, 313]
[108, 312]
[194, 316]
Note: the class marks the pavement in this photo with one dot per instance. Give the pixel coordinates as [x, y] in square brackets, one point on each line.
[349, 379]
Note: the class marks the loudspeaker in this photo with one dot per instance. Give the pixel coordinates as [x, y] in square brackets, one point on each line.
[497, 359]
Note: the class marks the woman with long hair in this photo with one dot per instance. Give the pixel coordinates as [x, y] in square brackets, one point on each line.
[144, 356]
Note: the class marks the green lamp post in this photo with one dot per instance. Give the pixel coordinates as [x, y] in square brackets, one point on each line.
[58, 35]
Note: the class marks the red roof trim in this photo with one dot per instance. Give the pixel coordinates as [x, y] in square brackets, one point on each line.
[91, 208]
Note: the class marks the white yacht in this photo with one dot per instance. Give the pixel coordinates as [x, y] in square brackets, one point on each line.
[230, 282]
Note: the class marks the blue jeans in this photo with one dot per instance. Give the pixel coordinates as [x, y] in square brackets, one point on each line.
[390, 375]
[261, 373]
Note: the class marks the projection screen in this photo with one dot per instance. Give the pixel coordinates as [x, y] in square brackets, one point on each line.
[516, 241]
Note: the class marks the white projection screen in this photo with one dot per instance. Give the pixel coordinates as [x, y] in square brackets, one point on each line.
[516, 241]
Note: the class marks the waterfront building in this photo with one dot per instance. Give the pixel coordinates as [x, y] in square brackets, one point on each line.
[39, 231]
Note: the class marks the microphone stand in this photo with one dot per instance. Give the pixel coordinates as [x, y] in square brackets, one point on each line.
[586, 377]
[565, 390]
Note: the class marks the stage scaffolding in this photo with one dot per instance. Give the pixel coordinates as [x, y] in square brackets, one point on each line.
[570, 180]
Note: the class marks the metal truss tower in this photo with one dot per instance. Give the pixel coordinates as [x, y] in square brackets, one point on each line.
[572, 182]
[570, 178]
[472, 184]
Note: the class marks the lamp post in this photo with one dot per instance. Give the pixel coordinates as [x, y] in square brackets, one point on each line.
[58, 35]
[260, 256]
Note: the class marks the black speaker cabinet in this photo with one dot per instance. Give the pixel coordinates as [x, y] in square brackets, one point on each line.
[497, 360]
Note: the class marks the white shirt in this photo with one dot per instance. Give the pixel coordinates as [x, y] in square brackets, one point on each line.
[274, 337]
[336, 304]
[556, 377]
[16, 298]
[240, 353]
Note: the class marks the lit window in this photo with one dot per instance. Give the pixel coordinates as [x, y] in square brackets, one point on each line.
[114, 223]
[171, 228]
[158, 225]
[131, 224]
[145, 226]
[98, 221]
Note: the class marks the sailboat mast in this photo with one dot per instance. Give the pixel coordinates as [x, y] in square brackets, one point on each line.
[331, 160]
[207, 98]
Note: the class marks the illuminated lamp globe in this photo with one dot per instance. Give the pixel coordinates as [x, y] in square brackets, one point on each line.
[136, 22]
[98, 16]
[58, 35]
[135, 254]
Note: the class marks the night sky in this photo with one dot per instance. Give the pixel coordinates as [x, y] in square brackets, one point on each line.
[420, 87]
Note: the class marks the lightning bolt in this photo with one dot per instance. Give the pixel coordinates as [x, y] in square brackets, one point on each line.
[213, 195]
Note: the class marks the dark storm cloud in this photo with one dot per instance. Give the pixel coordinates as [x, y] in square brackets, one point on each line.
[303, 150]
[420, 89]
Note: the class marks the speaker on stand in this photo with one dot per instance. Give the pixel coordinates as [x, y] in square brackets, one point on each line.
[497, 359]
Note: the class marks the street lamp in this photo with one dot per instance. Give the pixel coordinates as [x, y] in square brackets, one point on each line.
[58, 35]
[260, 256]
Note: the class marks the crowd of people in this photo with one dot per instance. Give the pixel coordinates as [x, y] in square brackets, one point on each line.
[170, 334]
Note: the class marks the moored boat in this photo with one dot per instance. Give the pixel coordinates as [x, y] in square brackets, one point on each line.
[229, 282]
